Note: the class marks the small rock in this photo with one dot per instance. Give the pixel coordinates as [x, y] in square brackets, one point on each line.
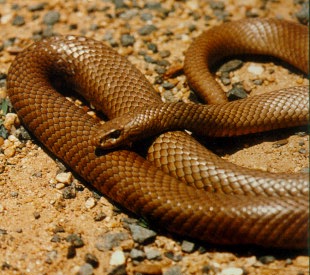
[236, 92]
[137, 254]
[119, 4]
[75, 240]
[280, 143]
[110, 240]
[100, 216]
[117, 258]
[267, 259]
[146, 16]
[18, 20]
[232, 271]
[164, 54]
[152, 47]
[90, 203]
[127, 40]
[91, 259]
[140, 234]
[231, 66]
[56, 238]
[36, 215]
[153, 5]
[9, 152]
[71, 252]
[51, 17]
[69, 192]
[36, 7]
[10, 120]
[65, 178]
[86, 269]
[147, 29]
[174, 257]
[152, 254]
[51, 256]
[174, 270]
[255, 69]
[168, 85]
[188, 246]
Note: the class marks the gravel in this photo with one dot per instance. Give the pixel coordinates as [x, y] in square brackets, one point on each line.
[141, 235]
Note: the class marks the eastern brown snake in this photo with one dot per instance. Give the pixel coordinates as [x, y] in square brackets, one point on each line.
[240, 206]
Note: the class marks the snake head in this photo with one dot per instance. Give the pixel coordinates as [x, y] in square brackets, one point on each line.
[116, 132]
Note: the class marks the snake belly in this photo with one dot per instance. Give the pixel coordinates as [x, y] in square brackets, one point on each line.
[245, 210]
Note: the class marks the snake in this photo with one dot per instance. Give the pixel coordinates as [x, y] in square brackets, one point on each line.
[179, 186]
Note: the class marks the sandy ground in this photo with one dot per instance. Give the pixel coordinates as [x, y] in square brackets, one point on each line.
[35, 218]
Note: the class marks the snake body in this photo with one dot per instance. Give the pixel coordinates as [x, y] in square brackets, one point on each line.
[240, 206]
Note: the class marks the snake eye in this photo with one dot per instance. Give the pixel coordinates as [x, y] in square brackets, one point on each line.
[115, 134]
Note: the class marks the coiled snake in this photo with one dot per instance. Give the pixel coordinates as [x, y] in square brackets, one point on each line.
[240, 206]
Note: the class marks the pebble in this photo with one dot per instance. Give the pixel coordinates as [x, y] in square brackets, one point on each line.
[51, 256]
[236, 92]
[152, 47]
[231, 66]
[65, 177]
[56, 238]
[174, 257]
[255, 69]
[110, 240]
[9, 152]
[141, 235]
[69, 192]
[174, 270]
[164, 54]
[51, 17]
[232, 271]
[90, 203]
[117, 258]
[10, 120]
[36, 215]
[280, 143]
[168, 85]
[147, 29]
[71, 252]
[152, 254]
[36, 7]
[267, 259]
[187, 246]
[146, 16]
[86, 269]
[91, 259]
[137, 254]
[99, 216]
[127, 40]
[75, 240]
[18, 20]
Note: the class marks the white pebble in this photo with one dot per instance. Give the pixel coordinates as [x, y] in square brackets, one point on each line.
[232, 271]
[255, 69]
[117, 258]
[90, 203]
[9, 121]
[64, 177]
